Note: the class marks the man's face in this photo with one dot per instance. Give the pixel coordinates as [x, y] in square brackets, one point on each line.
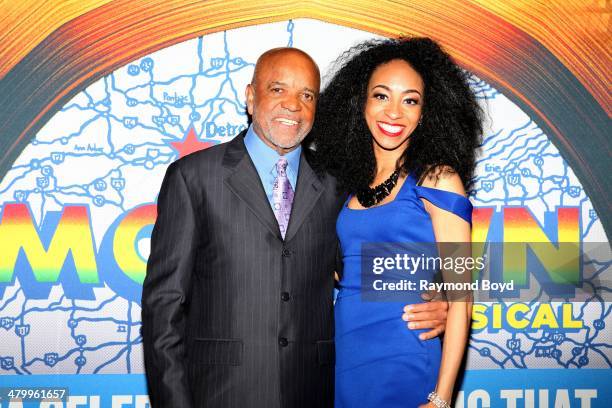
[283, 98]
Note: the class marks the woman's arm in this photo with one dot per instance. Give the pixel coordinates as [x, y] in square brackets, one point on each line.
[449, 227]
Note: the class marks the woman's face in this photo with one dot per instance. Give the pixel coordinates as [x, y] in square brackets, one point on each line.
[394, 103]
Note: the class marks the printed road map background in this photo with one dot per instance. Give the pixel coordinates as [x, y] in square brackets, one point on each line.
[108, 149]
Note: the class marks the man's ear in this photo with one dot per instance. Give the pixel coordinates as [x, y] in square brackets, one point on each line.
[250, 97]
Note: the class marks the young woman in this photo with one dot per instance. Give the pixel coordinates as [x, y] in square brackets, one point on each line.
[399, 127]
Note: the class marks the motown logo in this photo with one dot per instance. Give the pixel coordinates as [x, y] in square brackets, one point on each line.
[62, 250]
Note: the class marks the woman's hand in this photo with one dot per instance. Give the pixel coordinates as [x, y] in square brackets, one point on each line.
[428, 405]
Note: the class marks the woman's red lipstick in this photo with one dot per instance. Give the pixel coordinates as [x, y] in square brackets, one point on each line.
[389, 129]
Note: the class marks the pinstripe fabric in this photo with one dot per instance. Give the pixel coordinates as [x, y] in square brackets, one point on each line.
[233, 316]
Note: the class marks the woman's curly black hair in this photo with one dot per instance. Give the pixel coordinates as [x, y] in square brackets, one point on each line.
[448, 136]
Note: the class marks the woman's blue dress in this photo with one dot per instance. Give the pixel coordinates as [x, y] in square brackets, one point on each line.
[379, 361]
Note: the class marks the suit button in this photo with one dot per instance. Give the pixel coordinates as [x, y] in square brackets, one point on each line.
[283, 342]
[286, 252]
[285, 296]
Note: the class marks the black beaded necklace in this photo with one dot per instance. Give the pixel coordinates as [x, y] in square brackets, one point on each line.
[374, 195]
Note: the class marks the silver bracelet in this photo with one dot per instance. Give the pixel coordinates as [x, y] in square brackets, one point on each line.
[435, 399]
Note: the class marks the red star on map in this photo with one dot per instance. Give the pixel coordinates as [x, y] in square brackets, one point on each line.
[190, 143]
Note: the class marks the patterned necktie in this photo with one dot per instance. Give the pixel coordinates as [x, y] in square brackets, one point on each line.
[282, 196]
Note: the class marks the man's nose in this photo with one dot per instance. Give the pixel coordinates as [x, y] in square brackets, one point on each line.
[291, 103]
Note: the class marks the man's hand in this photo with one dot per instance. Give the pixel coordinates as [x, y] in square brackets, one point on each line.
[429, 315]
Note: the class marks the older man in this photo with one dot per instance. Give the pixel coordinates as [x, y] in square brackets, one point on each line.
[237, 302]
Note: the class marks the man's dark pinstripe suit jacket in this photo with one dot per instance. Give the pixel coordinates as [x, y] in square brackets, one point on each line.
[232, 314]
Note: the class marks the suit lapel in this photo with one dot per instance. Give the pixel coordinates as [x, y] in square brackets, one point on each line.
[307, 192]
[245, 183]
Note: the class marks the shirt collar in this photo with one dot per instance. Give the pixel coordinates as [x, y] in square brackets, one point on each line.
[262, 153]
